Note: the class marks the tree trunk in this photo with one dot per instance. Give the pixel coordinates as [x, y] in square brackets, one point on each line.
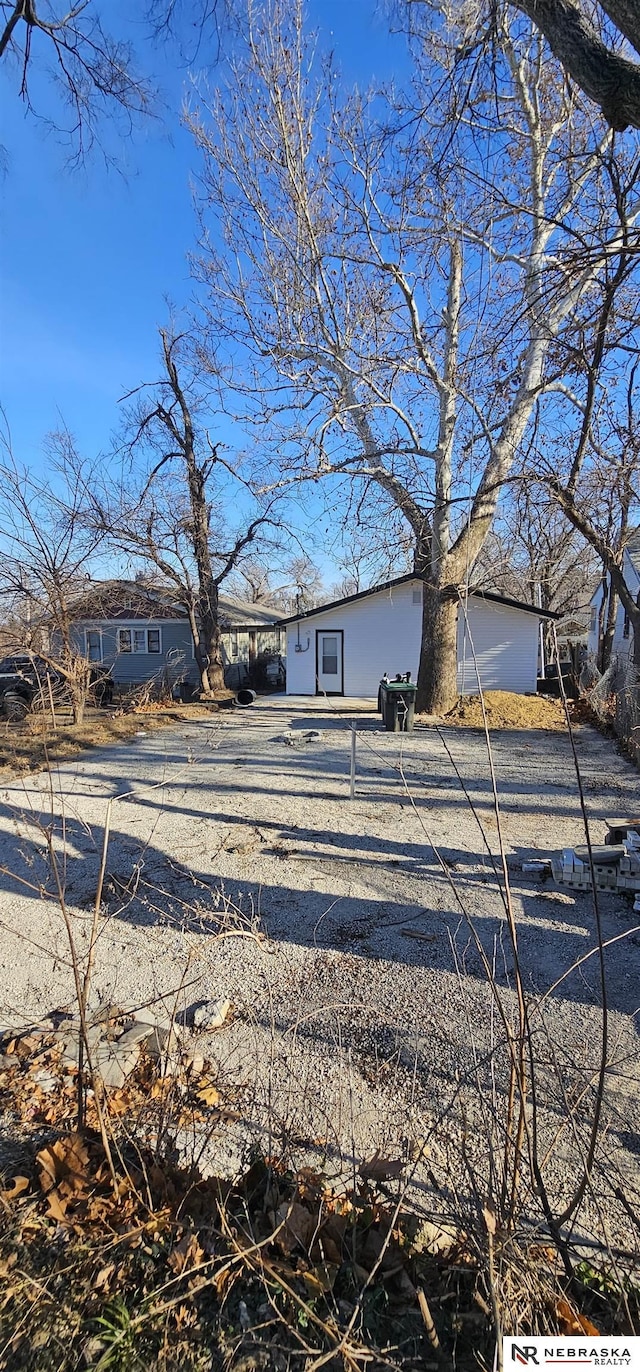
[210, 639]
[607, 76]
[437, 674]
[635, 630]
[608, 629]
[207, 646]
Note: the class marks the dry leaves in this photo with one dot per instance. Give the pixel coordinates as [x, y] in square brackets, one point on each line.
[572, 1323]
[18, 1186]
[185, 1255]
[379, 1169]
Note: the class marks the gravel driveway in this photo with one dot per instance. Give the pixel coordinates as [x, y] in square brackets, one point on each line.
[348, 1033]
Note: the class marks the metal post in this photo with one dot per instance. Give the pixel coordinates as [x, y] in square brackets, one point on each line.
[352, 786]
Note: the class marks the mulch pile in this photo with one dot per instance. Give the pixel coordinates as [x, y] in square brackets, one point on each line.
[506, 710]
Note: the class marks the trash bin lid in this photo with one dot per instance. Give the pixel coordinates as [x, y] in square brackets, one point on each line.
[400, 686]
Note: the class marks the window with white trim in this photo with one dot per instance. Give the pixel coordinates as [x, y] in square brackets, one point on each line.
[136, 640]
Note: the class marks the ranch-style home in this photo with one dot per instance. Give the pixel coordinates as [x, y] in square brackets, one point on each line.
[138, 633]
[346, 647]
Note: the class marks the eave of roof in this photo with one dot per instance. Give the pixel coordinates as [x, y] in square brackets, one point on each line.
[402, 581]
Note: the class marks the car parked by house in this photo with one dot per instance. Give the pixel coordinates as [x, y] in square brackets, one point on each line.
[28, 682]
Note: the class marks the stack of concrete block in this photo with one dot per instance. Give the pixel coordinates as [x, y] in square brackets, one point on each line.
[630, 864]
[616, 866]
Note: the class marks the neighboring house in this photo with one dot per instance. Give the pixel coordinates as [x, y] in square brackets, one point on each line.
[138, 633]
[622, 644]
[345, 648]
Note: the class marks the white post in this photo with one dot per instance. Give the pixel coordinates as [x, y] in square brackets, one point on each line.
[352, 786]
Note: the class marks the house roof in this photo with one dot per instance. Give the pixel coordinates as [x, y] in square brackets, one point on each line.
[124, 600]
[404, 580]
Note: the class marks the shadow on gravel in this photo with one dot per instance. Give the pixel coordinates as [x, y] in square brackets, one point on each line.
[145, 887]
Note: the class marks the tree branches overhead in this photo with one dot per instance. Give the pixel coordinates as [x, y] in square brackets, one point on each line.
[90, 70]
[593, 59]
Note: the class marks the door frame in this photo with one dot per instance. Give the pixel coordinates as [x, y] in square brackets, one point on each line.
[339, 633]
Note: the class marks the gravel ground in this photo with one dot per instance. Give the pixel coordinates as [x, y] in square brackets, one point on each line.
[347, 1034]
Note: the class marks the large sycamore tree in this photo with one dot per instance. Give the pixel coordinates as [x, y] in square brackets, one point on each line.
[393, 283]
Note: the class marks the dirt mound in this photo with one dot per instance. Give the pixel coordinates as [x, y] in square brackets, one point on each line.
[506, 710]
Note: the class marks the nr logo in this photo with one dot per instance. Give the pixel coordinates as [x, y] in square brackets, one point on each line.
[524, 1353]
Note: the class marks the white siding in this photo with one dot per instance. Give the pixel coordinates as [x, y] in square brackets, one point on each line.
[622, 647]
[382, 634]
[503, 642]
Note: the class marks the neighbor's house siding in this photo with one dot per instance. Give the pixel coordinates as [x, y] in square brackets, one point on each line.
[622, 644]
[241, 646]
[382, 634]
[175, 659]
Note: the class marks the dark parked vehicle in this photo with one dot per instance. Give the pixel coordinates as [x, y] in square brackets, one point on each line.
[28, 683]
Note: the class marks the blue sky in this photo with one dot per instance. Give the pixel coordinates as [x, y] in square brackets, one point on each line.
[89, 257]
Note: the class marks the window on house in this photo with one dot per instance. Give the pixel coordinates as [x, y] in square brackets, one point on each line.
[233, 645]
[329, 656]
[417, 596]
[132, 640]
[626, 626]
[593, 620]
[93, 639]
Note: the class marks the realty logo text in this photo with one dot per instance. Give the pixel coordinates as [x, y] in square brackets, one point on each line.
[541, 1352]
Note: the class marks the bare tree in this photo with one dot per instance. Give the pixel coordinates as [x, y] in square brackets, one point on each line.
[175, 517]
[598, 492]
[295, 586]
[596, 64]
[535, 554]
[400, 296]
[94, 71]
[46, 554]
[595, 41]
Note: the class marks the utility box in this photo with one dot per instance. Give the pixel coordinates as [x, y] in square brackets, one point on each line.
[397, 703]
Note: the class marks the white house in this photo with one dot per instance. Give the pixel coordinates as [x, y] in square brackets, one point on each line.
[622, 643]
[346, 647]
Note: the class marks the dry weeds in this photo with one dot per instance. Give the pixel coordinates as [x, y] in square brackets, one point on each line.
[30, 745]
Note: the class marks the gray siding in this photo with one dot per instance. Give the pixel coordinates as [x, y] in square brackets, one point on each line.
[174, 662]
[176, 659]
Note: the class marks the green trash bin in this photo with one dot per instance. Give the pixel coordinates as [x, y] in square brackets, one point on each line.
[398, 705]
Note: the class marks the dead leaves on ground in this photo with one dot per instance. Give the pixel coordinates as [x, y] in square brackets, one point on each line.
[41, 1088]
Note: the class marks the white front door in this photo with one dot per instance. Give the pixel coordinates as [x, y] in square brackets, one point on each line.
[329, 662]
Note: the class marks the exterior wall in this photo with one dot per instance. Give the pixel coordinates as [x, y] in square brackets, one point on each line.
[175, 659]
[504, 644]
[622, 645]
[382, 633]
[237, 647]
